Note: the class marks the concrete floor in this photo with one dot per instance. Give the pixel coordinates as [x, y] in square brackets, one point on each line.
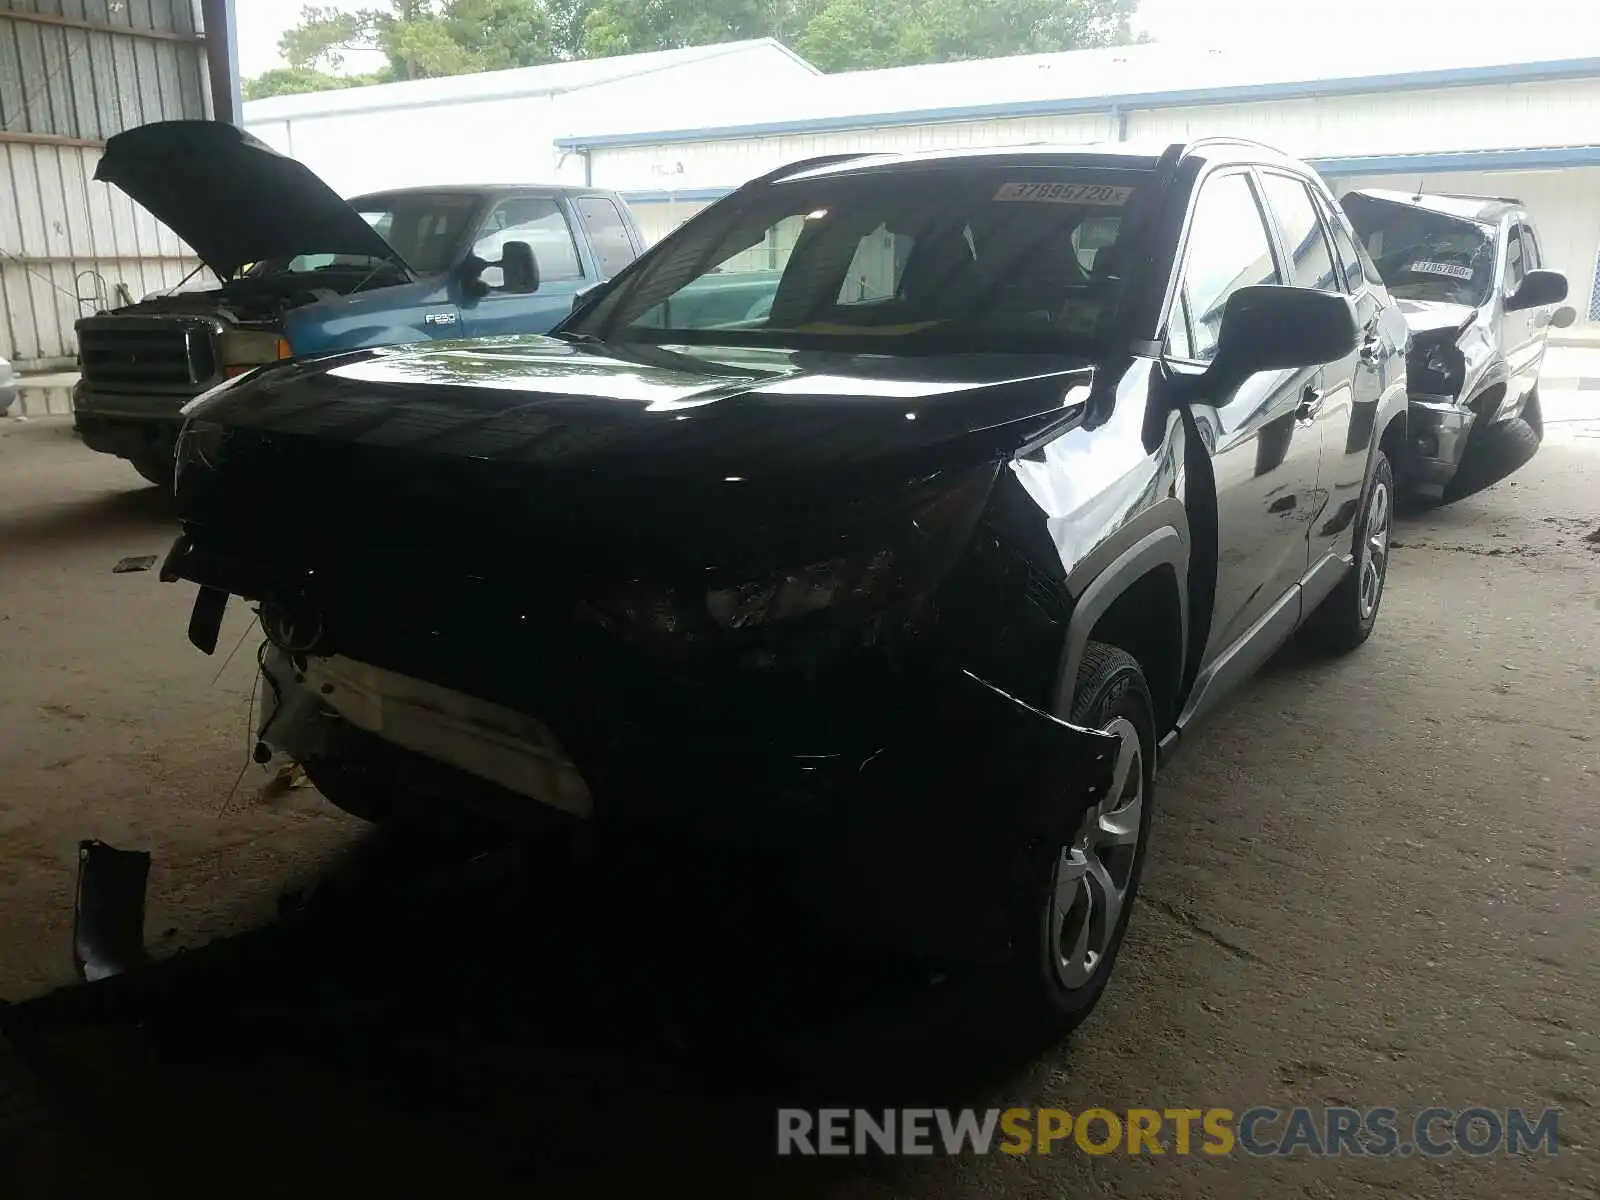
[1372, 883]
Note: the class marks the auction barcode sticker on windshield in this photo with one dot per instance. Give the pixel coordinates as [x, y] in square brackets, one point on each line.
[1449, 270]
[1066, 193]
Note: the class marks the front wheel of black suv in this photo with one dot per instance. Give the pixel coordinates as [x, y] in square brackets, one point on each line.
[1067, 935]
[154, 470]
[1345, 619]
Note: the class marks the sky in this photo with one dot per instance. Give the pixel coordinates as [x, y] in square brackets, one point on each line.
[1234, 23]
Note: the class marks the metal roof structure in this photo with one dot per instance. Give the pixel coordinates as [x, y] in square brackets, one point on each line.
[549, 79]
[1112, 80]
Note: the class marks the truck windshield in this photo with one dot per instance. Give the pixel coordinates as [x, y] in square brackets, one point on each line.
[1020, 259]
[1425, 255]
[425, 228]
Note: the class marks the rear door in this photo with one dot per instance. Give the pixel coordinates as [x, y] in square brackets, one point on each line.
[1328, 404]
[1263, 456]
[613, 241]
[1538, 319]
[543, 221]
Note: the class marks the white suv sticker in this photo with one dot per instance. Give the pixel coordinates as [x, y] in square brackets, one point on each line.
[1450, 270]
[1066, 193]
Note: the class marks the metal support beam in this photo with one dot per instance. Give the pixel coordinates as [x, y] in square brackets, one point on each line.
[222, 60]
[157, 35]
[22, 137]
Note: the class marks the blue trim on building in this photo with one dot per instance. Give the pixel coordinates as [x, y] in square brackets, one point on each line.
[1506, 73]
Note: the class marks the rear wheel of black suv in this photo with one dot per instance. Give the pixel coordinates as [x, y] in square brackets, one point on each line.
[1067, 935]
[1344, 620]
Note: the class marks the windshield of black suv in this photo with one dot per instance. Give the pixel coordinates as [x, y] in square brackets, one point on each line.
[425, 228]
[1425, 255]
[1019, 259]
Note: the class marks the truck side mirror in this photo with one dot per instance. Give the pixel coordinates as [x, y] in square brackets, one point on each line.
[520, 267]
[1538, 289]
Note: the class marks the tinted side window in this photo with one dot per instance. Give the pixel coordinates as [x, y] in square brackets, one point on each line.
[608, 233]
[1530, 248]
[1303, 237]
[1357, 265]
[537, 220]
[1515, 267]
[1228, 249]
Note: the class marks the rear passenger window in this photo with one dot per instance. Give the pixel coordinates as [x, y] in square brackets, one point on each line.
[1303, 237]
[607, 234]
[1228, 249]
[1530, 248]
[1349, 257]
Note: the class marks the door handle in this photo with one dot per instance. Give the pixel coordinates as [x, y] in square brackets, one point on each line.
[1310, 404]
[1371, 347]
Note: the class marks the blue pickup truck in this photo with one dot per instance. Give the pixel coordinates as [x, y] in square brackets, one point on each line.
[306, 272]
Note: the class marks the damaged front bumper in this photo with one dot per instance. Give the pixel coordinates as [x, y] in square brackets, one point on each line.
[1439, 428]
[920, 838]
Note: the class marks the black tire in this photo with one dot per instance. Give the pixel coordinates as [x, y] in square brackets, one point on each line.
[1343, 621]
[382, 785]
[1533, 414]
[1034, 1008]
[1491, 455]
[155, 470]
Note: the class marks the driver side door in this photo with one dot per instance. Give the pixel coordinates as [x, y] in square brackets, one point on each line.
[541, 220]
[1264, 456]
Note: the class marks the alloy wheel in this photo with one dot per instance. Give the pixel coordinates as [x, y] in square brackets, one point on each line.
[1094, 874]
[1375, 550]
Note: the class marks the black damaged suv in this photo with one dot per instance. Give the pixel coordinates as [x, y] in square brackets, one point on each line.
[1468, 274]
[860, 550]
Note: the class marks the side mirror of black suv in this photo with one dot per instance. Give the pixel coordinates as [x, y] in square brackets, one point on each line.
[1269, 327]
[1539, 289]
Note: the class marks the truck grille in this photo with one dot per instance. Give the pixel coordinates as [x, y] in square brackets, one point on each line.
[148, 355]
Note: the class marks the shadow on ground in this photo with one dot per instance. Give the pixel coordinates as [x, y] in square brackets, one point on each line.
[448, 1017]
[135, 513]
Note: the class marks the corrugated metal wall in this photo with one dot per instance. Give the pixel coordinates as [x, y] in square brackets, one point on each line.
[72, 73]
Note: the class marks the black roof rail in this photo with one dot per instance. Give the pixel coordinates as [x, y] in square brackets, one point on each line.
[1226, 140]
[1466, 196]
[810, 164]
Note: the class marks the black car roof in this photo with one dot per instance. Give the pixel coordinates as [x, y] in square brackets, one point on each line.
[1488, 209]
[481, 189]
[1125, 156]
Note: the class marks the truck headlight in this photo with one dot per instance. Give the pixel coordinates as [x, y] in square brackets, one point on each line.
[243, 350]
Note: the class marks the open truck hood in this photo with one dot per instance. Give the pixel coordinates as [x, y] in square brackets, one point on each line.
[231, 196]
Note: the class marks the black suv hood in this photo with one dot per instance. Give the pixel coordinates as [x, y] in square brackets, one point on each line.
[232, 197]
[652, 412]
[501, 438]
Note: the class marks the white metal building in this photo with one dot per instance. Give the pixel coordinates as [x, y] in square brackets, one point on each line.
[502, 126]
[1525, 128]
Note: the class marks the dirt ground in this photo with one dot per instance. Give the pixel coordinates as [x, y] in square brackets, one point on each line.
[1372, 883]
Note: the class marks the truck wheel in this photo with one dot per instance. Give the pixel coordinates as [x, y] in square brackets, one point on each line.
[1491, 455]
[1067, 937]
[1345, 619]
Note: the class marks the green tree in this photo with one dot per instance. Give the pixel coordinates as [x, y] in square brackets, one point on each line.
[421, 39]
[293, 81]
[854, 35]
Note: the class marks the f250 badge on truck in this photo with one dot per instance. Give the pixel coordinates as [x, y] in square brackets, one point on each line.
[441, 318]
